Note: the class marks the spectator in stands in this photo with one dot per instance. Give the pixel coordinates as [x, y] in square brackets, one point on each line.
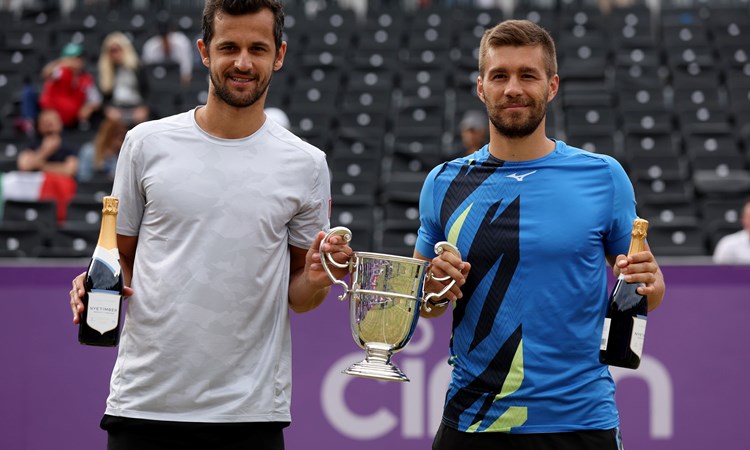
[735, 248]
[48, 151]
[70, 89]
[169, 45]
[475, 131]
[122, 81]
[606, 6]
[48, 166]
[29, 108]
[539, 223]
[99, 157]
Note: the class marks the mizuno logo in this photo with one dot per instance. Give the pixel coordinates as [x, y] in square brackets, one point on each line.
[520, 177]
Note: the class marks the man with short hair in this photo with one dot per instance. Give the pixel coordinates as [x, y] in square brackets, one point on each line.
[536, 222]
[220, 223]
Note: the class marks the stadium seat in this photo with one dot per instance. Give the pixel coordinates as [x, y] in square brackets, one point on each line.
[658, 167]
[353, 191]
[599, 120]
[71, 241]
[403, 185]
[705, 120]
[603, 144]
[631, 27]
[387, 90]
[313, 126]
[84, 212]
[647, 121]
[645, 143]
[663, 190]
[667, 239]
[351, 143]
[638, 75]
[94, 189]
[359, 219]
[648, 98]
[725, 208]
[401, 215]
[42, 214]
[20, 240]
[697, 143]
[583, 58]
[713, 183]
[398, 241]
[739, 99]
[683, 213]
[587, 92]
[369, 101]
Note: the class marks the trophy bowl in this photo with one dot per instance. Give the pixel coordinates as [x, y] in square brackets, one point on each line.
[386, 294]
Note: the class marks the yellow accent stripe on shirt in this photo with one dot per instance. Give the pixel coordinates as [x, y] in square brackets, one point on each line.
[456, 228]
[514, 416]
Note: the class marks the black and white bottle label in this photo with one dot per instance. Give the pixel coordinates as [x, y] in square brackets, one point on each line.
[605, 334]
[638, 336]
[103, 310]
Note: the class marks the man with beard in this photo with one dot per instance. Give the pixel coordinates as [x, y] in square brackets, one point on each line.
[536, 221]
[220, 222]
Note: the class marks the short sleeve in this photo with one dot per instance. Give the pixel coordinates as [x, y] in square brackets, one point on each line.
[430, 231]
[617, 240]
[315, 213]
[126, 187]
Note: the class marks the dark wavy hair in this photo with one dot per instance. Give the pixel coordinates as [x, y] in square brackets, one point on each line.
[238, 8]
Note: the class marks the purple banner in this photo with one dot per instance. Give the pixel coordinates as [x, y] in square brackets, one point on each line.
[689, 393]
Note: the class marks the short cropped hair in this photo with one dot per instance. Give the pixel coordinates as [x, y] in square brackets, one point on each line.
[518, 33]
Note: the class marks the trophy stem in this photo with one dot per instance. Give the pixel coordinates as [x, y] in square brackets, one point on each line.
[377, 364]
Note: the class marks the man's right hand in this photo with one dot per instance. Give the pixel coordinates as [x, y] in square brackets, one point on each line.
[445, 264]
[79, 290]
[449, 264]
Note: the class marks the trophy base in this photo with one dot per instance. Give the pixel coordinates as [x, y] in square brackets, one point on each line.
[377, 370]
[377, 364]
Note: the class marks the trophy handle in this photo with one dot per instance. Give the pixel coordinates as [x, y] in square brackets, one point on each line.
[441, 247]
[346, 234]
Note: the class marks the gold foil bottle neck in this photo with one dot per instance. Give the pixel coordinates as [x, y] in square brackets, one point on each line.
[110, 204]
[638, 237]
[640, 228]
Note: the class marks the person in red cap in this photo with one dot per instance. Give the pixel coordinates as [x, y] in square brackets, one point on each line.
[69, 88]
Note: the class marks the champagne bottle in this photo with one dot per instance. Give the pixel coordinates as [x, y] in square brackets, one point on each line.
[100, 321]
[625, 323]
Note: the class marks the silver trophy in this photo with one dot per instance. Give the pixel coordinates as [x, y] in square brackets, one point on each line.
[386, 296]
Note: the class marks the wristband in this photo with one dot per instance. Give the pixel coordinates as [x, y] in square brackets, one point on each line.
[438, 304]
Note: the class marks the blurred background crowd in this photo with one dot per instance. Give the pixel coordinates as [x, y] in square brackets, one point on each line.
[387, 89]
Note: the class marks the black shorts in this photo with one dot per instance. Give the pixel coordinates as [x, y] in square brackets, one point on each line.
[138, 434]
[450, 439]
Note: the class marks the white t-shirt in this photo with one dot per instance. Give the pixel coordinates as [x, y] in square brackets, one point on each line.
[206, 337]
[733, 249]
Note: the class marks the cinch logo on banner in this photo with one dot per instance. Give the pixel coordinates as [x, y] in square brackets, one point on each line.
[660, 390]
[417, 421]
[414, 420]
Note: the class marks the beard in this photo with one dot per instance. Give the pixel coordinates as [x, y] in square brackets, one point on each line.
[518, 125]
[239, 100]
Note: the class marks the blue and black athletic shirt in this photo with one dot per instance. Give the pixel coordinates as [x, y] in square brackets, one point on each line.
[526, 334]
